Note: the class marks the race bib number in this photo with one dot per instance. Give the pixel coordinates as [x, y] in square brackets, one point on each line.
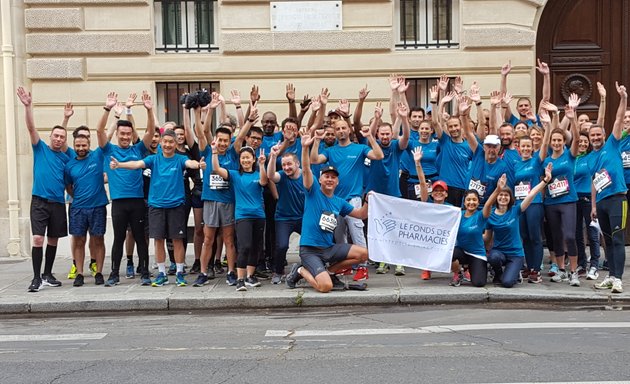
[601, 180]
[625, 159]
[217, 182]
[521, 190]
[417, 189]
[559, 187]
[478, 186]
[328, 222]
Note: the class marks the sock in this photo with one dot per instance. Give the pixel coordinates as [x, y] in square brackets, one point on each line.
[162, 268]
[51, 252]
[92, 261]
[37, 255]
[180, 267]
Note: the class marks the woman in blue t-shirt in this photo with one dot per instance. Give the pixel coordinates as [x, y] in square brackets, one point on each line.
[248, 183]
[503, 230]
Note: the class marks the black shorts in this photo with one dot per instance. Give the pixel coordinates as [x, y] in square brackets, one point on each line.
[314, 259]
[168, 223]
[46, 214]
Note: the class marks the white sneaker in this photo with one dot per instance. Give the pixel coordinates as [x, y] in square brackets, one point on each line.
[560, 276]
[607, 283]
[592, 274]
[574, 280]
[617, 286]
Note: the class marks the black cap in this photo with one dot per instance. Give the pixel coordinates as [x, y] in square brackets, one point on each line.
[329, 168]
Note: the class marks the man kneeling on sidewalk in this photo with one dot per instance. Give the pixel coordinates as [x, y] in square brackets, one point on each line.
[321, 207]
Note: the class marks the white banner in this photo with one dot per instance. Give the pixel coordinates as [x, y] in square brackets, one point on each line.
[412, 233]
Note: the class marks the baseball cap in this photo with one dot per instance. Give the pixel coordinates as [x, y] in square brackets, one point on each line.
[492, 140]
[439, 183]
[329, 168]
[333, 112]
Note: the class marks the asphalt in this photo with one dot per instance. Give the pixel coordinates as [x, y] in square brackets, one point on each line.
[385, 289]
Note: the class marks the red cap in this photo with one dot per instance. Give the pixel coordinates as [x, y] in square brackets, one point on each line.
[439, 183]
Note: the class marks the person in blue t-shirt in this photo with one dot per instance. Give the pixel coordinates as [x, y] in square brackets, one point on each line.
[248, 182]
[321, 208]
[503, 230]
[48, 211]
[608, 191]
[167, 211]
[83, 176]
[126, 186]
[290, 207]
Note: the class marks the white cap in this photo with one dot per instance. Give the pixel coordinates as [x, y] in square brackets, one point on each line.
[492, 140]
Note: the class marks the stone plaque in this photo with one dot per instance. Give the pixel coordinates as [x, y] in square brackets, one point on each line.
[298, 16]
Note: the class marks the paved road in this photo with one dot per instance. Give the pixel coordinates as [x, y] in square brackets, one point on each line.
[376, 345]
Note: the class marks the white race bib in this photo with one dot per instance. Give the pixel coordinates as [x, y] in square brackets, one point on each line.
[217, 182]
[478, 186]
[601, 180]
[521, 190]
[328, 222]
[559, 187]
[625, 159]
[418, 191]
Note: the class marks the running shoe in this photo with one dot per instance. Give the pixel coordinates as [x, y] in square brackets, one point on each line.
[553, 270]
[337, 285]
[456, 280]
[172, 269]
[525, 273]
[344, 272]
[112, 280]
[581, 271]
[130, 272]
[180, 280]
[260, 273]
[382, 268]
[617, 286]
[201, 280]
[425, 275]
[73, 272]
[574, 279]
[196, 267]
[240, 285]
[36, 285]
[293, 277]
[592, 274]
[276, 279]
[361, 274]
[160, 280]
[230, 278]
[252, 281]
[399, 271]
[50, 281]
[99, 279]
[224, 261]
[560, 276]
[93, 269]
[467, 275]
[607, 283]
[218, 269]
[78, 281]
[534, 277]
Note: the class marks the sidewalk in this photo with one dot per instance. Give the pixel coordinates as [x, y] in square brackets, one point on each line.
[15, 276]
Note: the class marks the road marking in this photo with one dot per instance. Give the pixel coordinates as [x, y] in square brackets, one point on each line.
[568, 382]
[440, 329]
[59, 337]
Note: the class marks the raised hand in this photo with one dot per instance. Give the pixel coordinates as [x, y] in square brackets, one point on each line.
[550, 107]
[544, 116]
[458, 84]
[305, 103]
[213, 145]
[495, 98]
[448, 97]
[113, 163]
[548, 170]
[417, 154]
[324, 95]
[262, 158]
[315, 104]
[601, 89]
[507, 67]
[531, 115]
[131, 100]
[403, 86]
[365, 132]
[433, 92]
[254, 95]
[112, 99]
[146, 100]
[506, 98]
[253, 113]
[574, 100]
[542, 67]
[464, 105]
[25, 97]
[403, 111]
[363, 93]
[235, 96]
[319, 134]
[394, 81]
[290, 94]
[474, 93]
[344, 107]
[307, 140]
[118, 109]
[215, 100]
[378, 110]
[621, 89]
[68, 111]
[274, 151]
[202, 163]
[443, 82]
[502, 181]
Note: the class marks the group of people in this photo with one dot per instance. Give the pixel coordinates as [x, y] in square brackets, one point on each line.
[250, 187]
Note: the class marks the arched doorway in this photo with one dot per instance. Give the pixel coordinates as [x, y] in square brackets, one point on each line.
[585, 41]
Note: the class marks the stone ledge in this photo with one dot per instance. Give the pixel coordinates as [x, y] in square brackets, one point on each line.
[89, 2]
[72, 69]
[53, 18]
[493, 37]
[89, 43]
[240, 42]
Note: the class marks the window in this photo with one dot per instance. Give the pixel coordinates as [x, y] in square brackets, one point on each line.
[418, 92]
[168, 94]
[427, 23]
[185, 25]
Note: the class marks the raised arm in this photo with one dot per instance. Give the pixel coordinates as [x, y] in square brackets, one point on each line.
[394, 83]
[148, 133]
[190, 136]
[261, 168]
[304, 106]
[376, 153]
[621, 110]
[377, 120]
[475, 97]
[436, 119]
[110, 102]
[242, 133]
[315, 157]
[235, 98]
[290, 94]
[570, 114]
[539, 187]
[417, 158]
[601, 113]
[545, 119]
[307, 174]
[26, 99]
[271, 164]
[464, 119]
[131, 100]
[445, 100]
[505, 70]
[543, 68]
[495, 112]
[403, 115]
[201, 137]
[487, 208]
[358, 110]
[216, 167]
[68, 111]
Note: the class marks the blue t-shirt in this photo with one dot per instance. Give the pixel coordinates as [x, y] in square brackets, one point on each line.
[316, 168]
[511, 156]
[270, 141]
[582, 174]
[484, 176]
[296, 148]
[215, 188]
[507, 232]
[624, 147]
[320, 212]
[125, 183]
[607, 170]
[291, 198]
[86, 178]
[350, 162]
[430, 153]
[383, 177]
[249, 195]
[527, 175]
[561, 189]
[48, 166]
[167, 189]
[514, 120]
[470, 234]
[455, 162]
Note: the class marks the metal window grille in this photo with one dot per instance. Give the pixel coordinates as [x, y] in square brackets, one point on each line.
[169, 94]
[428, 24]
[185, 25]
[418, 92]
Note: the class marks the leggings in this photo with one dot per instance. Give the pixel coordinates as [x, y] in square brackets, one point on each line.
[611, 214]
[561, 219]
[531, 234]
[130, 212]
[250, 239]
[477, 267]
[513, 264]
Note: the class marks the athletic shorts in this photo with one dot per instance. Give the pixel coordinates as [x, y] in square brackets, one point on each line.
[168, 223]
[46, 214]
[217, 214]
[84, 219]
[314, 259]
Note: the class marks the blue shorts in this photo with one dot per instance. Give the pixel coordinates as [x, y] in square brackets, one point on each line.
[84, 219]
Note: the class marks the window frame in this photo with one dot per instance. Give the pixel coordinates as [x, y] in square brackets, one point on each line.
[188, 29]
[424, 36]
[163, 87]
